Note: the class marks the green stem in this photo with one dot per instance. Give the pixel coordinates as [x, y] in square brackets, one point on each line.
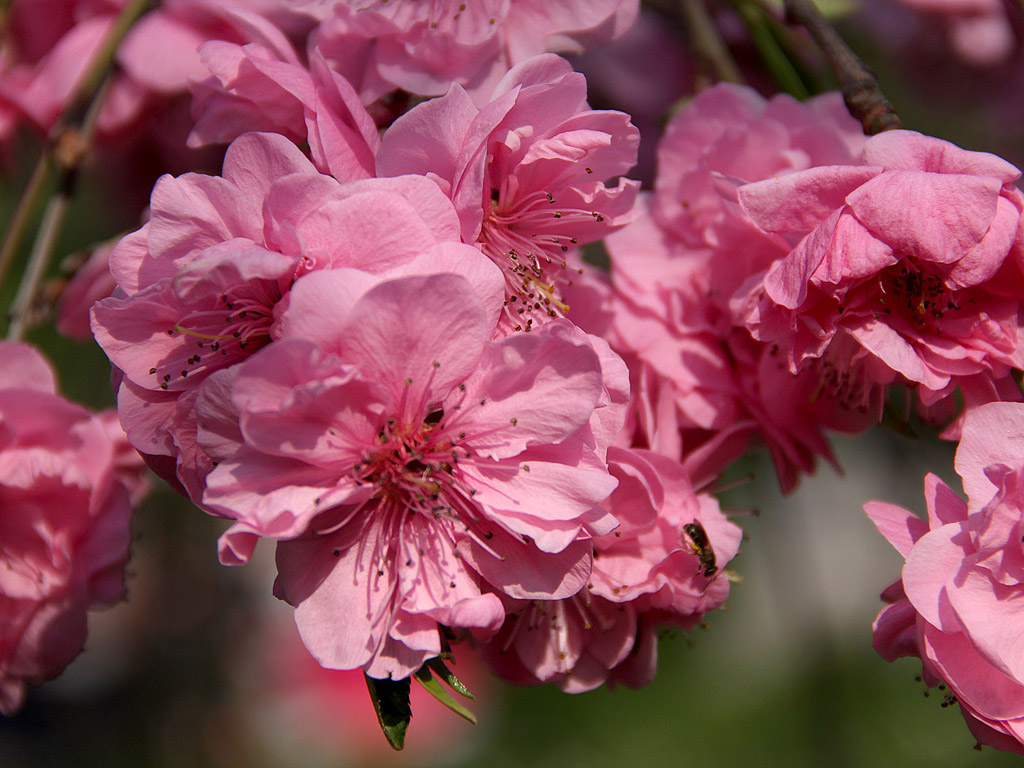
[764, 36]
[30, 198]
[708, 43]
[21, 311]
[64, 151]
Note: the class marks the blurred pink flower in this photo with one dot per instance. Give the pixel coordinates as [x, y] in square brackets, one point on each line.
[65, 523]
[646, 574]
[401, 458]
[90, 283]
[424, 48]
[906, 270]
[960, 603]
[526, 173]
[979, 31]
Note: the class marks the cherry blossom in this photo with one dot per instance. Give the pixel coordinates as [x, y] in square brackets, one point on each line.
[661, 566]
[904, 270]
[201, 282]
[402, 459]
[526, 173]
[65, 523]
[424, 48]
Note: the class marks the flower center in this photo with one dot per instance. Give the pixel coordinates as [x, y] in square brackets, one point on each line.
[528, 238]
[920, 297]
[236, 326]
[413, 467]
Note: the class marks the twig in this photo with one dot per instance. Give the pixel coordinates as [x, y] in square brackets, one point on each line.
[69, 149]
[26, 204]
[707, 41]
[64, 152]
[859, 86]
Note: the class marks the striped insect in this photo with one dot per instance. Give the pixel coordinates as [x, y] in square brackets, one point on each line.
[701, 547]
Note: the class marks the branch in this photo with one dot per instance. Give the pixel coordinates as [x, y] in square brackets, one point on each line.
[65, 149]
[859, 86]
[708, 43]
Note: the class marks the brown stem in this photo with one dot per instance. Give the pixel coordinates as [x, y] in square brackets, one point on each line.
[708, 43]
[858, 84]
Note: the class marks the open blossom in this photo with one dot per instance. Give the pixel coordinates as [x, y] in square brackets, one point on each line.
[407, 464]
[201, 282]
[423, 48]
[526, 173]
[904, 270]
[702, 387]
[959, 603]
[65, 524]
[661, 566]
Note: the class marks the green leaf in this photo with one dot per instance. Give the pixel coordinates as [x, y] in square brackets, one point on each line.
[391, 703]
[439, 669]
[433, 687]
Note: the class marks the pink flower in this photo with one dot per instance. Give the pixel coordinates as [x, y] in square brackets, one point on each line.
[264, 86]
[979, 31]
[201, 282]
[526, 173]
[701, 386]
[91, 282]
[648, 572]
[727, 136]
[701, 389]
[402, 459]
[425, 48]
[65, 523]
[960, 602]
[906, 270]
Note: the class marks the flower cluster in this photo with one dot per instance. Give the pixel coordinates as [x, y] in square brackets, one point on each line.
[369, 362]
[422, 334]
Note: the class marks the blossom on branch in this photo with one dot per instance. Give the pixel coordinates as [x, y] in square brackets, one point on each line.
[661, 567]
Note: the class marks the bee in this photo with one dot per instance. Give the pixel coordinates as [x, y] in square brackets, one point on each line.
[701, 547]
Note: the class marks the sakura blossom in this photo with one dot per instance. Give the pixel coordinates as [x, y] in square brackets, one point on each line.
[702, 387]
[903, 270]
[422, 48]
[957, 604]
[49, 46]
[661, 567]
[526, 173]
[407, 464]
[201, 282]
[65, 526]
[265, 87]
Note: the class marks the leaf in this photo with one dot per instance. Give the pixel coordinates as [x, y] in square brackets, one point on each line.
[438, 666]
[433, 687]
[391, 703]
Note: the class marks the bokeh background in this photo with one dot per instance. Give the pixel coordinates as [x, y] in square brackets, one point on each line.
[202, 667]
